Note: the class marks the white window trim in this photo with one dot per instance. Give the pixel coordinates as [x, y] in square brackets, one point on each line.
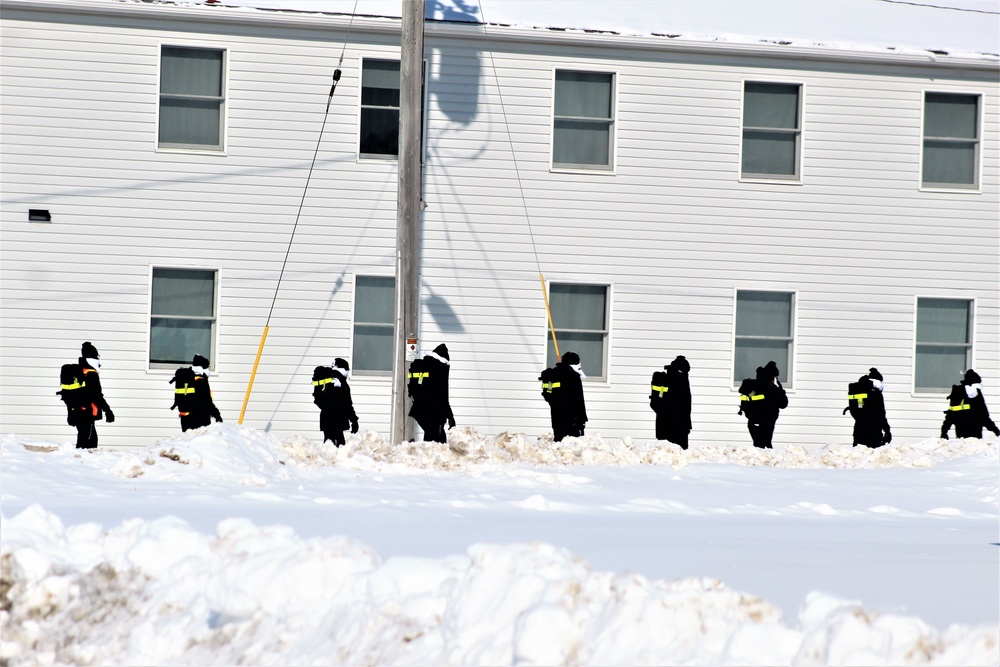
[799, 161]
[378, 376]
[937, 395]
[977, 189]
[590, 381]
[224, 129]
[425, 124]
[166, 369]
[612, 169]
[790, 385]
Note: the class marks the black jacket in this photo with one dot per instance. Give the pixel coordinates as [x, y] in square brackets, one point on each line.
[430, 392]
[968, 414]
[95, 393]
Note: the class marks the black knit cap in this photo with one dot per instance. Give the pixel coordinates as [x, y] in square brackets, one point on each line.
[972, 377]
[442, 351]
[771, 369]
[341, 363]
[571, 358]
[874, 374]
[680, 364]
[199, 361]
[88, 351]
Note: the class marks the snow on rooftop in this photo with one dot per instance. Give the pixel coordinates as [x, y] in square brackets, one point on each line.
[966, 28]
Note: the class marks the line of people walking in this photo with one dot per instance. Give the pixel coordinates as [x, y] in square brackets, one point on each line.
[762, 398]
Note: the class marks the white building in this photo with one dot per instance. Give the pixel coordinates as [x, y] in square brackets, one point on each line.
[833, 209]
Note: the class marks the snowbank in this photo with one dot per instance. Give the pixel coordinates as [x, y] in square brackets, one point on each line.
[158, 592]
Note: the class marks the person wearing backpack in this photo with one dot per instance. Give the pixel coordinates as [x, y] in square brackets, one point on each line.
[192, 395]
[867, 405]
[562, 389]
[761, 398]
[84, 398]
[967, 409]
[427, 385]
[670, 399]
[332, 395]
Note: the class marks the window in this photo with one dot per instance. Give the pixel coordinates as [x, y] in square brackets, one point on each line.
[374, 316]
[182, 321]
[380, 108]
[772, 130]
[583, 122]
[763, 333]
[951, 141]
[580, 318]
[944, 343]
[191, 98]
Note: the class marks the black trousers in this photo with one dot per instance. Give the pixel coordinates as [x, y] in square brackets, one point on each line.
[761, 434]
[867, 436]
[665, 431]
[194, 420]
[334, 436]
[433, 431]
[86, 435]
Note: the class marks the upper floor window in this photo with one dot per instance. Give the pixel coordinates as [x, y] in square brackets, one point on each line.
[374, 317]
[182, 315]
[951, 141]
[944, 343]
[580, 318]
[772, 131]
[583, 121]
[192, 98]
[379, 108]
[764, 333]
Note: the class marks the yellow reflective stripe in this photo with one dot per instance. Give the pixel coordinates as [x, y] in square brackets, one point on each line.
[857, 397]
[963, 406]
[419, 376]
[184, 390]
[660, 389]
[752, 397]
[317, 383]
[75, 385]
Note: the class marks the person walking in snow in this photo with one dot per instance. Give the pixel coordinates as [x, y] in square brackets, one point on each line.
[867, 405]
[562, 389]
[427, 385]
[84, 396]
[332, 395]
[967, 409]
[670, 399]
[192, 395]
[760, 400]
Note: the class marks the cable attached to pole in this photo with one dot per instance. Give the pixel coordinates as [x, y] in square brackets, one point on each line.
[298, 214]
[520, 187]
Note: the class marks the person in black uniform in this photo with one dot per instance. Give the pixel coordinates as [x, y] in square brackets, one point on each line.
[562, 388]
[670, 398]
[193, 396]
[760, 400]
[967, 409]
[95, 406]
[867, 405]
[332, 394]
[427, 385]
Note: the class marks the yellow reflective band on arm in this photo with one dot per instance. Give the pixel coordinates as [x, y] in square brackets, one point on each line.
[75, 385]
[752, 397]
[963, 406]
[184, 390]
[660, 389]
[317, 383]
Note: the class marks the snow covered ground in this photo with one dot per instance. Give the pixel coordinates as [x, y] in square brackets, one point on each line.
[228, 546]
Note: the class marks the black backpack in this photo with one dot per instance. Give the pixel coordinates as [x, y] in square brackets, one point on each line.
[417, 378]
[857, 398]
[184, 396]
[324, 383]
[550, 383]
[74, 387]
[958, 401]
[658, 391]
[750, 401]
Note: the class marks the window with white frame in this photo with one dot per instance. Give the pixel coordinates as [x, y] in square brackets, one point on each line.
[580, 318]
[374, 315]
[192, 98]
[943, 343]
[182, 315]
[764, 332]
[772, 130]
[951, 141]
[583, 120]
[379, 108]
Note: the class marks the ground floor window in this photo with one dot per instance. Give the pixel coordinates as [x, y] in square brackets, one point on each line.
[943, 343]
[580, 318]
[182, 315]
[374, 315]
[764, 332]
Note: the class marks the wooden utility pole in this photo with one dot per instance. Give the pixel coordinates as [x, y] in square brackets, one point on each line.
[408, 207]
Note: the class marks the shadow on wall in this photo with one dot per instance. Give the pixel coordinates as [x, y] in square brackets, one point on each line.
[443, 314]
[457, 108]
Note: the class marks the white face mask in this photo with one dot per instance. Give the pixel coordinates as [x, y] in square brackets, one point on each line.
[972, 389]
[576, 367]
[200, 371]
[876, 383]
[94, 363]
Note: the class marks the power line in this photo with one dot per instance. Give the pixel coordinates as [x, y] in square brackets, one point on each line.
[929, 6]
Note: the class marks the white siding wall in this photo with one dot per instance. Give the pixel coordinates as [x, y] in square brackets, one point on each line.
[673, 231]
